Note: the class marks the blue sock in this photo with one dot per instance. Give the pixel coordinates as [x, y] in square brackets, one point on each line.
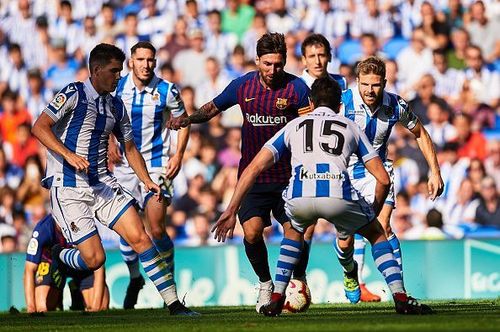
[359, 254]
[345, 257]
[300, 268]
[157, 270]
[396, 250]
[165, 248]
[289, 256]
[72, 258]
[387, 265]
[130, 258]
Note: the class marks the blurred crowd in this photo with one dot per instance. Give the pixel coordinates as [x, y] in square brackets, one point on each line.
[442, 56]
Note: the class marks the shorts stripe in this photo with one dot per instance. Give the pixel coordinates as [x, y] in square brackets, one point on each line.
[122, 211]
[62, 215]
[94, 232]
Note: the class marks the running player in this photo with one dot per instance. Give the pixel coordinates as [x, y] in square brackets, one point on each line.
[316, 54]
[149, 101]
[75, 128]
[321, 144]
[376, 112]
[269, 98]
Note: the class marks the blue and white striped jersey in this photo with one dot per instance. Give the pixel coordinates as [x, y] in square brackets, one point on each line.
[321, 143]
[377, 126]
[309, 80]
[83, 122]
[149, 111]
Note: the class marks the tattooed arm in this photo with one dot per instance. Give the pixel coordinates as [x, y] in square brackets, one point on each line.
[205, 113]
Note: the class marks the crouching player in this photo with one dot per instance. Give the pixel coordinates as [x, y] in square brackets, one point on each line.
[321, 144]
[43, 290]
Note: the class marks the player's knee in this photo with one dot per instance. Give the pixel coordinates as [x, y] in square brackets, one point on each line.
[140, 242]
[253, 235]
[96, 261]
[345, 244]
[157, 232]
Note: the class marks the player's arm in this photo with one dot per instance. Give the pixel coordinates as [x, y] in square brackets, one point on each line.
[42, 130]
[205, 113]
[175, 162]
[114, 153]
[377, 169]
[136, 161]
[435, 183]
[225, 225]
[29, 285]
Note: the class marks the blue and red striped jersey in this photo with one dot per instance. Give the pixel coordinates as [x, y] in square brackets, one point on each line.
[265, 112]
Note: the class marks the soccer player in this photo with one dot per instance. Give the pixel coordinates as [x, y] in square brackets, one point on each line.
[43, 291]
[316, 54]
[149, 101]
[75, 128]
[376, 112]
[321, 144]
[269, 98]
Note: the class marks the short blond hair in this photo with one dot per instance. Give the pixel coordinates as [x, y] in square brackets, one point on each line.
[371, 65]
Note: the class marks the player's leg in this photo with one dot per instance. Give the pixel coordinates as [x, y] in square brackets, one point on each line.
[131, 228]
[344, 248]
[387, 265]
[47, 298]
[290, 254]
[256, 251]
[300, 269]
[384, 218]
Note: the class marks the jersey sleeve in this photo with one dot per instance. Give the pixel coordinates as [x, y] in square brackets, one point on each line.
[365, 150]
[229, 96]
[406, 116]
[122, 129]
[303, 106]
[38, 240]
[174, 102]
[278, 144]
[63, 102]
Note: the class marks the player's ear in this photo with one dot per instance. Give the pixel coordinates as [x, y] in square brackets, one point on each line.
[257, 60]
[130, 62]
[303, 60]
[384, 82]
[154, 63]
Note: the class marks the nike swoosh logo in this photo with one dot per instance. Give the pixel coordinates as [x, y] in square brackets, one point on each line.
[248, 99]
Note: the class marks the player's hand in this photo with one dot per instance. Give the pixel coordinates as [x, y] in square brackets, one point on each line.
[178, 123]
[173, 166]
[435, 186]
[81, 164]
[153, 187]
[114, 153]
[224, 227]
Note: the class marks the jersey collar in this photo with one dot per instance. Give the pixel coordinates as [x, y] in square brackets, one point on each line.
[307, 78]
[91, 90]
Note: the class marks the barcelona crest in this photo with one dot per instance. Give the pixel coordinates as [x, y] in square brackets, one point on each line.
[281, 103]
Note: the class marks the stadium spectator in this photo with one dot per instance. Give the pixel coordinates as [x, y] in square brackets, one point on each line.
[10, 175]
[324, 19]
[492, 162]
[218, 44]
[11, 116]
[62, 69]
[190, 63]
[439, 128]
[237, 17]
[369, 19]
[14, 74]
[8, 243]
[435, 30]
[472, 144]
[456, 55]
[216, 82]
[453, 14]
[8, 205]
[484, 31]
[449, 81]
[130, 35]
[488, 211]
[24, 146]
[464, 209]
[256, 30]
[484, 82]
[279, 19]
[425, 96]
[36, 96]
[416, 52]
[476, 173]
[175, 43]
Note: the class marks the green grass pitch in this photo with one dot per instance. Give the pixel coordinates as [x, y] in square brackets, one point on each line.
[457, 315]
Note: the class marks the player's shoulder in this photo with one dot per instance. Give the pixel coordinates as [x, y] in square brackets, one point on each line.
[68, 92]
[298, 82]
[45, 226]
[340, 80]
[347, 96]
[396, 100]
[251, 75]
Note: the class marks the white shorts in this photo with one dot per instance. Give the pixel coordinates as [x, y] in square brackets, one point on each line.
[366, 186]
[129, 180]
[347, 216]
[76, 209]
